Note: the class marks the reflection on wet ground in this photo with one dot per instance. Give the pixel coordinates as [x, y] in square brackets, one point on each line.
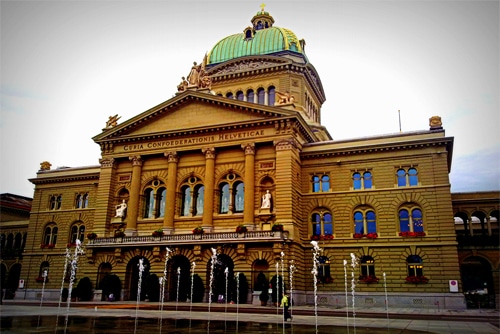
[122, 325]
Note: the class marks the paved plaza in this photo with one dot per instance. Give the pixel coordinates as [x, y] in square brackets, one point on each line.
[477, 321]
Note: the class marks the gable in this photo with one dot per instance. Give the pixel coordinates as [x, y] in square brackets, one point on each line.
[194, 115]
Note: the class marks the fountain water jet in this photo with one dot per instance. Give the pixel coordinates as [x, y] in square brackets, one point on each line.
[386, 302]
[67, 258]
[193, 266]
[354, 264]
[74, 267]
[178, 286]
[237, 298]
[139, 285]
[291, 272]
[282, 258]
[314, 272]
[163, 282]
[210, 293]
[44, 276]
[346, 296]
[226, 272]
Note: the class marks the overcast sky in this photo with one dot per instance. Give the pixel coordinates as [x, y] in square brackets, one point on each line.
[68, 65]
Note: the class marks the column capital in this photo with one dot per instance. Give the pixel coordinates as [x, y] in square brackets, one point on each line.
[209, 152]
[249, 148]
[107, 163]
[286, 144]
[172, 156]
[136, 160]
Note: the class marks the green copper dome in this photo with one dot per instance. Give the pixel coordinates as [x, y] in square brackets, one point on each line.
[261, 39]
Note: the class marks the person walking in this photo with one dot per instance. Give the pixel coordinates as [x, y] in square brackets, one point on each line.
[285, 303]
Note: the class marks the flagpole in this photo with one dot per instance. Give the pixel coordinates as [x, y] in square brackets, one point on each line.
[399, 115]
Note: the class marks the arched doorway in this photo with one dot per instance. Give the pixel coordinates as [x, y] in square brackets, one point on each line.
[179, 278]
[219, 284]
[12, 281]
[477, 280]
[132, 277]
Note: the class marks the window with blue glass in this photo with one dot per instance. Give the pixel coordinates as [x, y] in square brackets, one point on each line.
[271, 96]
[250, 95]
[362, 181]
[413, 223]
[322, 223]
[261, 96]
[407, 177]
[365, 222]
[231, 194]
[240, 96]
[154, 198]
[193, 197]
[320, 183]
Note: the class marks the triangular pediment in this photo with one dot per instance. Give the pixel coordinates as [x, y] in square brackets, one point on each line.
[192, 111]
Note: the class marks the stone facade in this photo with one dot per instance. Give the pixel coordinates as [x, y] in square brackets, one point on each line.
[206, 157]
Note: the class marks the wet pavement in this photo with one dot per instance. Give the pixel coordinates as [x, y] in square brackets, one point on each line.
[393, 320]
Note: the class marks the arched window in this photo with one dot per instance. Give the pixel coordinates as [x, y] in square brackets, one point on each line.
[415, 267]
[193, 197]
[229, 95]
[50, 235]
[412, 177]
[77, 232]
[240, 96]
[324, 275]
[231, 194]
[356, 181]
[18, 241]
[367, 267]
[199, 199]
[405, 177]
[224, 198]
[154, 199]
[401, 176]
[55, 202]
[81, 201]
[365, 223]
[186, 201]
[320, 183]
[361, 181]
[411, 225]
[10, 241]
[2, 241]
[322, 224]
[261, 96]
[271, 96]
[43, 272]
[250, 96]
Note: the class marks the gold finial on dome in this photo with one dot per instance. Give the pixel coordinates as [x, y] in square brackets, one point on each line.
[262, 6]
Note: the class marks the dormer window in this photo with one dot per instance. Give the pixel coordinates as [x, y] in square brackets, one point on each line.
[248, 33]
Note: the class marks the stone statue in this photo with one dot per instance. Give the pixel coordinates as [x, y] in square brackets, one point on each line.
[45, 165]
[194, 75]
[112, 121]
[183, 85]
[266, 200]
[120, 209]
[284, 98]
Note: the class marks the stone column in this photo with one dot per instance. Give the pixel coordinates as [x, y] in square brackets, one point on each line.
[248, 210]
[135, 188]
[168, 220]
[104, 203]
[469, 223]
[208, 205]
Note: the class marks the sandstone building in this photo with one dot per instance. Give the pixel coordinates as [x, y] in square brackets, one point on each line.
[240, 155]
